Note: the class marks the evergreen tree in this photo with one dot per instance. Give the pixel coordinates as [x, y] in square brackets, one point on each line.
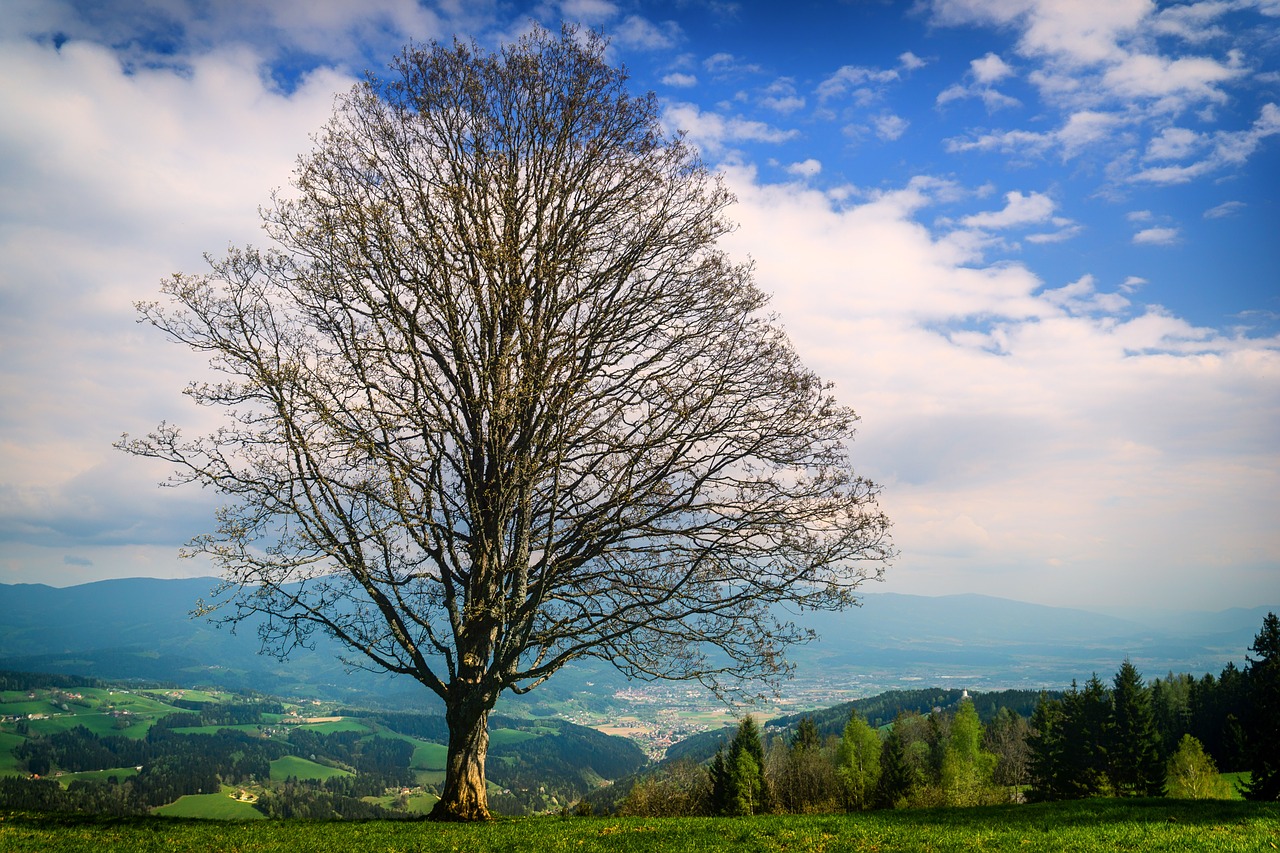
[1233, 691]
[858, 762]
[1192, 775]
[1262, 725]
[1171, 710]
[1086, 736]
[1046, 761]
[1135, 768]
[806, 735]
[720, 782]
[746, 797]
[898, 777]
[737, 779]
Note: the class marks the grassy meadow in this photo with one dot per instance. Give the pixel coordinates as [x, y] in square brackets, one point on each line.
[1101, 825]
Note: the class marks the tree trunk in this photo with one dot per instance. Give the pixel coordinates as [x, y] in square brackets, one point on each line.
[465, 796]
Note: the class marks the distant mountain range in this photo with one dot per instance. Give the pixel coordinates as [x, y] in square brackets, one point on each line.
[141, 628]
[989, 643]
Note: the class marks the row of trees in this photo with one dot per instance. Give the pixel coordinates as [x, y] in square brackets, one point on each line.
[1123, 739]
[925, 760]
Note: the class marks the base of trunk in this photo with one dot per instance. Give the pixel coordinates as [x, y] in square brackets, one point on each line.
[465, 793]
[458, 812]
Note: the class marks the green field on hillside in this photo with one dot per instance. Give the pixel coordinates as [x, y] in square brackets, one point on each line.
[506, 737]
[119, 772]
[9, 764]
[218, 806]
[1091, 825]
[301, 768]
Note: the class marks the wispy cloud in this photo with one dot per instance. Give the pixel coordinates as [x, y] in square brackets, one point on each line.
[862, 82]
[1224, 210]
[713, 132]
[1159, 236]
[1125, 63]
[982, 76]
[1224, 148]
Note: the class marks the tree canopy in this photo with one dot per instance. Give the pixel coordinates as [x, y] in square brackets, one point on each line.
[496, 400]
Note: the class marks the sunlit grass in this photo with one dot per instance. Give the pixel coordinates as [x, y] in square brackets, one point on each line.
[1101, 825]
[301, 768]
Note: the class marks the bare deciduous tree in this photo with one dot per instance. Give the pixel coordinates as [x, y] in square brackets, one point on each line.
[497, 401]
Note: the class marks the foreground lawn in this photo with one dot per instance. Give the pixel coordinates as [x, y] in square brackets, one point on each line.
[1102, 825]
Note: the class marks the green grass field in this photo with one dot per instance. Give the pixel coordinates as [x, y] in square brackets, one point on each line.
[218, 806]
[101, 775]
[506, 737]
[292, 765]
[429, 756]
[1093, 825]
[9, 764]
[1237, 781]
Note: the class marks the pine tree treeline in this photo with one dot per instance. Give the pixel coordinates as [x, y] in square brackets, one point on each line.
[1126, 738]
[1123, 740]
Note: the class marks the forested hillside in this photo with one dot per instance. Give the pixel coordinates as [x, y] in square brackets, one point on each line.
[99, 748]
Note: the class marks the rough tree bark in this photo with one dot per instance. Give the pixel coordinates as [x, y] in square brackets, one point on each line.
[496, 401]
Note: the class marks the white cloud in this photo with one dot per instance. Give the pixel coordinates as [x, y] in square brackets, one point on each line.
[680, 80]
[588, 11]
[1019, 209]
[1156, 237]
[1018, 424]
[1173, 84]
[1226, 148]
[726, 64]
[1224, 210]
[781, 97]
[1192, 22]
[1111, 64]
[855, 79]
[713, 133]
[1081, 130]
[1081, 297]
[910, 62]
[637, 32]
[890, 127]
[805, 168]
[989, 69]
[111, 182]
[1173, 143]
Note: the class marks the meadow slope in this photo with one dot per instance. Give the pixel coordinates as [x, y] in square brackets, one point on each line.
[1101, 825]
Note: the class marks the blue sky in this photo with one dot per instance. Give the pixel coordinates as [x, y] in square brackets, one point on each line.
[1034, 243]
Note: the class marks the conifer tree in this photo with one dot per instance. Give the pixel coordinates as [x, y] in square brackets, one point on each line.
[897, 774]
[737, 778]
[1135, 768]
[1045, 743]
[1262, 727]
